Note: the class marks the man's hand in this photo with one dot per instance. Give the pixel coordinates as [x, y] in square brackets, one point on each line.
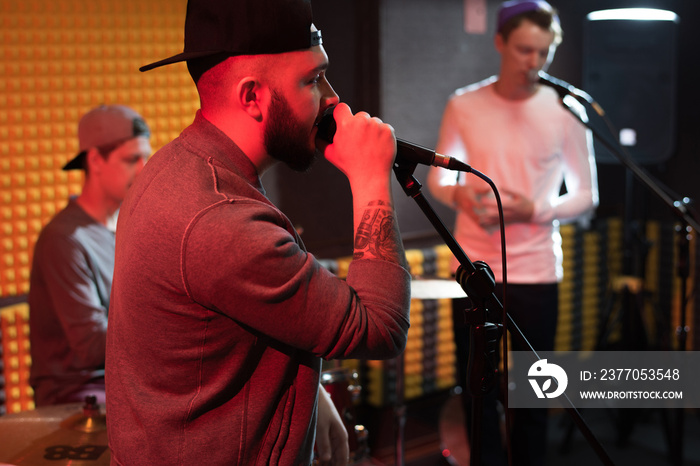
[363, 149]
[516, 207]
[482, 207]
[468, 201]
[331, 437]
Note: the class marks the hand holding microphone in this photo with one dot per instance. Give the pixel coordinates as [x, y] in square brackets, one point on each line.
[406, 152]
[364, 146]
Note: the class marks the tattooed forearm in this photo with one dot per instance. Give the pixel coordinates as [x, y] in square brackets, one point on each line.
[377, 235]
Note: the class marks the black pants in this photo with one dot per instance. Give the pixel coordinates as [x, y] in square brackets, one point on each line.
[534, 309]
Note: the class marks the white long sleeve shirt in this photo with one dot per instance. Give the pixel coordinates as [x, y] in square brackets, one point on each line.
[528, 146]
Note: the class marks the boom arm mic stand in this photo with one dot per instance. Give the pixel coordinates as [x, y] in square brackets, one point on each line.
[678, 207]
[476, 279]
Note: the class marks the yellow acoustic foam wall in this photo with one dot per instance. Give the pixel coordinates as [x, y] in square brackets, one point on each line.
[15, 359]
[58, 59]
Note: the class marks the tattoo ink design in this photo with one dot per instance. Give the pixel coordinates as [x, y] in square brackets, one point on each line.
[377, 234]
[364, 230]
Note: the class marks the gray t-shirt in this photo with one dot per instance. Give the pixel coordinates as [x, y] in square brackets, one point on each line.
[71, 279]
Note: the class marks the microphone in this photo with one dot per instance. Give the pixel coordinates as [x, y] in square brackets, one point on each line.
[563, 89]
[406, 152]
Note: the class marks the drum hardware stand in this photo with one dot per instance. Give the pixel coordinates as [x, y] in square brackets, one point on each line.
[476, 282]
[688, 223]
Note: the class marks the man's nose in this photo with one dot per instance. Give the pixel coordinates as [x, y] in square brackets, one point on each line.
[330, 97]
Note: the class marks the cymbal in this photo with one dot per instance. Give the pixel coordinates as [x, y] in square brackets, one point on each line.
[436, 289]
[74, 434]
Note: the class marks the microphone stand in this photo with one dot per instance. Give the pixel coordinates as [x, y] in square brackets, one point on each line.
[687, 224]
[478, 283]
[678, 207]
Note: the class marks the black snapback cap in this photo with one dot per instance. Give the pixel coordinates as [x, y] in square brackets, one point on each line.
[244, 27]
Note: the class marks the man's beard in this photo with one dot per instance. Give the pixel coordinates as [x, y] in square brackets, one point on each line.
[286, 139]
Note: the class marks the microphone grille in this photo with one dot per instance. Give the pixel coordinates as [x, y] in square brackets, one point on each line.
[326, 126]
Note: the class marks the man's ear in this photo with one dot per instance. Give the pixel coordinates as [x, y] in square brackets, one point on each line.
[251, 96]
[499, 42]
[93, 160]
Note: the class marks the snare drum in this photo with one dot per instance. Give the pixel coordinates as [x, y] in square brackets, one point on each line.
[343, 386]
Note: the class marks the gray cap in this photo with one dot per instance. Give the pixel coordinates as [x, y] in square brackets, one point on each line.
[106, 125]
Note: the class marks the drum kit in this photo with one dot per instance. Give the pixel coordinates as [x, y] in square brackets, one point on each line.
[69, 434]
[344, 388]
[76, 433]
[343, 385]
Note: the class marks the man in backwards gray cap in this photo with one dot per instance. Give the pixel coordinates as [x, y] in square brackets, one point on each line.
[219, 316]
[73, 261]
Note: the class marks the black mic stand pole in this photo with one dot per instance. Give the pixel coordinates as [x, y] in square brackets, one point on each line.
[478, 284]
[683, 267]
[688, 223]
